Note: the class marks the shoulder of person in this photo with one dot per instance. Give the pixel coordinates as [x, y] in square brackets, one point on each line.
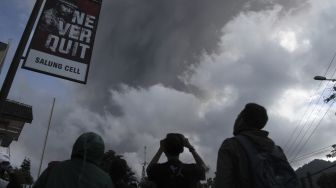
[280, 152]
[154, 167]
[229, 143]
[194, 166]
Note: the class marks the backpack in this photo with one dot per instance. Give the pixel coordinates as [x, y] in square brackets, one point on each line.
[269, 169]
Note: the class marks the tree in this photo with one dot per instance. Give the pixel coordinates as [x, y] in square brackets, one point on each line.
[333, 152]
[118, 169]
[25, 170]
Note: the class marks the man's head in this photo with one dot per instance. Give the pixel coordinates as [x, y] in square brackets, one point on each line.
[252, 117]
[173, 144]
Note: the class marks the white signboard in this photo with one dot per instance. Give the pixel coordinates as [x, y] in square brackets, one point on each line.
[63, 40]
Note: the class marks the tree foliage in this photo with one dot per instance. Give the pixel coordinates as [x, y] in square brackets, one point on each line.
[25, 171]
[333, 152]
[116, 166]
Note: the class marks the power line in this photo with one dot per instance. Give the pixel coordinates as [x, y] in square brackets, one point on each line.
[299, 150]
[306, 124]
[291, 151]
[323, 148]
[311, 102]
[299, 123]
[312, 133]
[311, 154]
[313, 174]
[304, 133]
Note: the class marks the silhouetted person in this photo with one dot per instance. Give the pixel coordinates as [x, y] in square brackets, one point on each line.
[174, 173]
[250, 159]
[82, 170]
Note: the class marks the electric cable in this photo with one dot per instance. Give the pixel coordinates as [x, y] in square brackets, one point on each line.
[311, 154]
[311, 125]
[314, 130]
[311, 102]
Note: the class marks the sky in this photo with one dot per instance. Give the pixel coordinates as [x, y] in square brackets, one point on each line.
[188, 67]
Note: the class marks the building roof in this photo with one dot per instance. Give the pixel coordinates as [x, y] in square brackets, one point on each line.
[14, 110]
[12, 119]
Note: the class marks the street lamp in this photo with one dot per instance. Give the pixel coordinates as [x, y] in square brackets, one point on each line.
[319, 78]
[322, 78]
[333, 96]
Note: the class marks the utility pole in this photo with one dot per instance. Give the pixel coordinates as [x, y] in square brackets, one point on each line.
[19, 52]
[144, 164]
[46, 137]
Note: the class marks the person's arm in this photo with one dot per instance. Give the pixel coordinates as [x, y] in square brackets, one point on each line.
[198, 159]
[156, 157]
[158, 154]
[152, 166]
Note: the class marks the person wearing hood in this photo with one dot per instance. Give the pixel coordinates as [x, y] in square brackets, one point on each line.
[234, 163]
[82, 170]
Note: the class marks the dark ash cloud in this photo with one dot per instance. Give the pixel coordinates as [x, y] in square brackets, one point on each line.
[143, 43]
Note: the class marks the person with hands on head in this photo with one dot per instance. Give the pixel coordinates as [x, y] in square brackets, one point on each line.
[174, 173]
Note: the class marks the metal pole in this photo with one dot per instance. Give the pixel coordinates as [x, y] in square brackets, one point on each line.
[143, 174]
[46, 137]
[19, 51]
[333, 80]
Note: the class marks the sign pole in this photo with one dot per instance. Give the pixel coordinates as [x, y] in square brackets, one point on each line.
[46, 138]
[19, 51]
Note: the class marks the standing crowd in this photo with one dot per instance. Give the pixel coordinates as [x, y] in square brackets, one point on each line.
[249, 159]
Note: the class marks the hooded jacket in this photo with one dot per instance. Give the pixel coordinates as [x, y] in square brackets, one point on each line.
[82, 170]
[232, 162]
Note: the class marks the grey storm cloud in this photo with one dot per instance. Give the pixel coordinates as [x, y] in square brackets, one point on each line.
[148, 47]
[143, 43]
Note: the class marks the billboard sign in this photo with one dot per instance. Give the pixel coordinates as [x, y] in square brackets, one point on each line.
[63, 40]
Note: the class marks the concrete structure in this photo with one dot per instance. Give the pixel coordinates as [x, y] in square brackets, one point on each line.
[12, 119]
